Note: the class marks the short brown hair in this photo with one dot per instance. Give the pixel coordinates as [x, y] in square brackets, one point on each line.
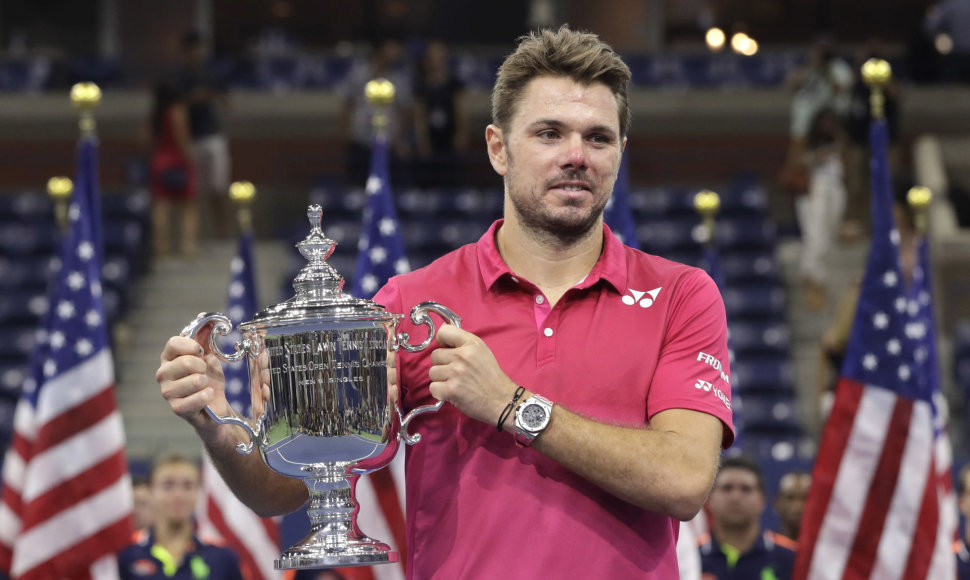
[580, 56]
[167, 459]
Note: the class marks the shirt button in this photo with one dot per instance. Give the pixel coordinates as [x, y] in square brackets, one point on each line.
[514, 279]
[540, 299]
[547, 332]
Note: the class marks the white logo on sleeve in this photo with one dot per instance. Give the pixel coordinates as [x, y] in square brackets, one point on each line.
[645, 299]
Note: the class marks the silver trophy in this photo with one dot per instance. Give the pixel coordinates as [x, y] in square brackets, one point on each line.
[321, 407]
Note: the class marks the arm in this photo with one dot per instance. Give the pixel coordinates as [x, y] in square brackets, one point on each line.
[667, 467]
[190, 379]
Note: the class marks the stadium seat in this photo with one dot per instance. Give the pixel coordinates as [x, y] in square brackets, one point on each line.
[754, 372]
[22, 306]
[755, 301]
[758, 337]
[764, 412]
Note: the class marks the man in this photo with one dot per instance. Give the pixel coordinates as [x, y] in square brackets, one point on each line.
[737, 548]
[204, 95]
[169, 549]
[144, 512]
[790, 502]
[624, 402]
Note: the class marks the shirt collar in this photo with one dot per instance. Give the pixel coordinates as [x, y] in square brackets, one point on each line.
[610, 267]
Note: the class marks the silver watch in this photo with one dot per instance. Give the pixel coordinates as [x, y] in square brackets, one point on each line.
[531, 417]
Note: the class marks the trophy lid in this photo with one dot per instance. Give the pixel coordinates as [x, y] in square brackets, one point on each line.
[319, 288]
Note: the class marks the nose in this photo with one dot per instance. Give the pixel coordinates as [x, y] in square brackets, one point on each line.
[574, 153]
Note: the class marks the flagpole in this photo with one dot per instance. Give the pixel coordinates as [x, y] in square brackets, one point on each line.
[380, 94]
[919, 199]
[60, 189]
[242, 194]
[86, 97]
[707, 203]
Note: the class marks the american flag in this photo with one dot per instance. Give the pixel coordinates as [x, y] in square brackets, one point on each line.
[381, 256]
[66, 505]
[877, 505]
[617, 213]
[381, 247]
[219, 514]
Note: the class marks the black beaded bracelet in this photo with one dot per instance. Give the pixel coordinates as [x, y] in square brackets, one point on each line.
[508, 408]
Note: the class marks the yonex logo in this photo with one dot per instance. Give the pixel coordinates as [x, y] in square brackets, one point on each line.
[645, 299]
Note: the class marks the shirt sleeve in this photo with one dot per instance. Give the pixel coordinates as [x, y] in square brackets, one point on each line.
[693, 371]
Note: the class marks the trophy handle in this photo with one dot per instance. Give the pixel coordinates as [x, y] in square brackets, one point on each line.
[223, 326]
[419, 315]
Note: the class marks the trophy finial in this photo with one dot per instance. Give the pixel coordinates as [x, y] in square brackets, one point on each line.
[317, 279]
[314, 213]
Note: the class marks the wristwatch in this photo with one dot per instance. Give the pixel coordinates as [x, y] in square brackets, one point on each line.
[531, 418]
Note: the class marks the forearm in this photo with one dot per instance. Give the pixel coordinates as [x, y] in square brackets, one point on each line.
[661, 470]
[266, 492]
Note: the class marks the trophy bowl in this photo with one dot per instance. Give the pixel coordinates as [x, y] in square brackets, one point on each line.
[322, 410]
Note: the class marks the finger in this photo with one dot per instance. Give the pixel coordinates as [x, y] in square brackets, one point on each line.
[181, 367]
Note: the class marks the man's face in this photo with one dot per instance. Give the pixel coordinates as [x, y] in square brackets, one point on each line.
[175, 487]
[736, 500]
[792, 493]
[559, 156]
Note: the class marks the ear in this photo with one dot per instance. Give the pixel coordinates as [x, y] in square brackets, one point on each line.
[497, 154]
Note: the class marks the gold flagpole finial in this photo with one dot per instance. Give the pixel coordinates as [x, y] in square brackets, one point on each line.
[877, 73]
[60, 189]
[380, 94]
[707, 203]
[242, 194]
[86, 97]
[919, 198]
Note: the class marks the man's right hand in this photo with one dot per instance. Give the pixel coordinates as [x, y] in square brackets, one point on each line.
[191, 378]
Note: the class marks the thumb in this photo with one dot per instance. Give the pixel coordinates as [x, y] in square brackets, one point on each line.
[450, 336]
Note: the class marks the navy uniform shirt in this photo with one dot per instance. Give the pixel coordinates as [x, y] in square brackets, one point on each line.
[963, 559]
[143, 560]
[772, 557]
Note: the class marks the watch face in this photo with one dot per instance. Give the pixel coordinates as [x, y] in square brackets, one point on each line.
[533, 416]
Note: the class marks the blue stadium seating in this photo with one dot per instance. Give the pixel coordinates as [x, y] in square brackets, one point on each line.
[755, 302]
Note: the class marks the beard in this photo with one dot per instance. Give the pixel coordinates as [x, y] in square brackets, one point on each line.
[563, 225]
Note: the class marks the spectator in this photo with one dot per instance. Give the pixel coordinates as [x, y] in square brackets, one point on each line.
[737, 547]
[790, 502]
[823, 81]
[820, 210]
[962, 546]
[357, 115]
[144, 512]
[441, 120]
[169, 549]
[205, 95]
[172, 174]
[948, 23]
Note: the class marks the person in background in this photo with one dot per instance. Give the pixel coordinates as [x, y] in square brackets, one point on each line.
[737, 548]
[386, 61]
[588, 387]
[820, 210]
[790, 502]
[205, 96]
[961, 547]
[172, 175]
[144, 512]
[169, 549]
[441, 117]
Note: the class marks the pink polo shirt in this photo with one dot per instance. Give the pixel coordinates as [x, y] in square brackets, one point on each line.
[638, 336]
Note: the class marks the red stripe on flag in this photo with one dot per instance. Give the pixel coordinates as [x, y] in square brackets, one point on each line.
[77, 559]
[68, 493]
[835, 437]
[74, 420]
[927, 527]
[248, 564]
[862, 557]
[385, 487]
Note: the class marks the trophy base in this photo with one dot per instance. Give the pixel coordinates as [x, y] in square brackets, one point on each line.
[354, 553]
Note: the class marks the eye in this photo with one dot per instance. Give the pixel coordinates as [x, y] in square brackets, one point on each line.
[600, 139]
[548, 134]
